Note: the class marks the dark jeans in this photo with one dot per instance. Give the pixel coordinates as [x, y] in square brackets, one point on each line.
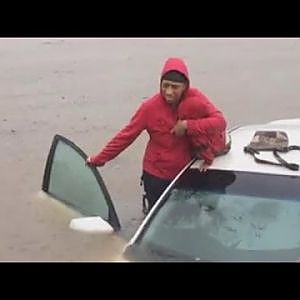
[153, 187]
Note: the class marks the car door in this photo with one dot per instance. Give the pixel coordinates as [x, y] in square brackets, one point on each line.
[68, 179]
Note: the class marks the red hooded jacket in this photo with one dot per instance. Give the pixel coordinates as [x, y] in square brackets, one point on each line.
[165, 154]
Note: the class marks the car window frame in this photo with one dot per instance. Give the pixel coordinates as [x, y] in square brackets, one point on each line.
[113, 219]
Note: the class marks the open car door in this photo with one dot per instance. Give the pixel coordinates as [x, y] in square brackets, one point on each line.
[68, 179]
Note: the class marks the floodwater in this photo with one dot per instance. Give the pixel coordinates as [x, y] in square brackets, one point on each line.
[86, 90]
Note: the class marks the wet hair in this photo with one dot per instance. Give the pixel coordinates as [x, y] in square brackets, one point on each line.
[175, 76]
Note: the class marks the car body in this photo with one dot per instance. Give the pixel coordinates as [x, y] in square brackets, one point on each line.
[239, 210]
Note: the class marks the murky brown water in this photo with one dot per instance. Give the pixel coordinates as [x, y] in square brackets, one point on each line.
[49, 236]
[86, 89]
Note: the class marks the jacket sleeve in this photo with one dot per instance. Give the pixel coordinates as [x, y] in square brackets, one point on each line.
[214, 120]
[123, 138]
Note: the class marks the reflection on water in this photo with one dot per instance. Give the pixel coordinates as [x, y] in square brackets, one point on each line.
[54, 241]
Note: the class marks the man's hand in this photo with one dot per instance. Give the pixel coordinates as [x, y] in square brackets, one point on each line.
[203, 167]
[180, 128]
[89, 162]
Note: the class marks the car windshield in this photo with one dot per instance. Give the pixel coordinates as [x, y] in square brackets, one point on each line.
[226, 216]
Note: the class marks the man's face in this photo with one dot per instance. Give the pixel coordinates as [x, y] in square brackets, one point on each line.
[172, 91]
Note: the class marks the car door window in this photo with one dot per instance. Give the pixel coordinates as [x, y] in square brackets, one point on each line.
[70, 180]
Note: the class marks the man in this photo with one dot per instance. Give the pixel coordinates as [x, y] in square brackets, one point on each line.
[168, 149]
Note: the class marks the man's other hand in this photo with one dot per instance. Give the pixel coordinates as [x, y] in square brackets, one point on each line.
[180, 128]
[203, 167]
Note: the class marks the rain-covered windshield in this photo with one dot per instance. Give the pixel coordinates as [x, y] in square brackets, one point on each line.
[226, 216]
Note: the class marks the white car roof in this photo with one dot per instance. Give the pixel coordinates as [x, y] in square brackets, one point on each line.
[237, 160]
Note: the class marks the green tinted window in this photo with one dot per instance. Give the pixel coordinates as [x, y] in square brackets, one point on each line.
[74, 183]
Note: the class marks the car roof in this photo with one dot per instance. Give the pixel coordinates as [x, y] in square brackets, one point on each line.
[237, 160]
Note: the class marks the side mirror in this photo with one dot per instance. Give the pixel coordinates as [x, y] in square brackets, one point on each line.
[92, 225]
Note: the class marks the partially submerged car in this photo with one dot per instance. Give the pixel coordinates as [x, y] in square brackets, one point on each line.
[239, 210]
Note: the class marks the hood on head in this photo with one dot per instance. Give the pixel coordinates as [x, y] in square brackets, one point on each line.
[175, 64]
